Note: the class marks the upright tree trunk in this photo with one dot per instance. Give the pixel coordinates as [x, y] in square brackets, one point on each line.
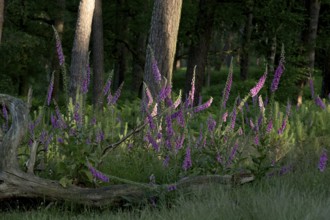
[199, 48]
[162, 41]
[272, 54]
[121, 54]
[98, 54]
[246, 38]
[326, 74]
[138, 63]
[2, 16]
[59, 26]
[224, 56]
[313, 8]
[79, 55]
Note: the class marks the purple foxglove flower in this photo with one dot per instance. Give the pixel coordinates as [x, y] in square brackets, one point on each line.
[323, 160]
[86, 81]
[106, 88]
[54, 121]
[113, 100]
[187, 163]
[166, 161]
[256, 139]
[164, 92]
[98, 174]
[224, 117]
[177, 101]
[192, 90]
[149, 96]
[179, 143]
[50, 89]
[211, 123]
[168, 143]
[155, 71]
[171, 188]
[99, 136]
[169, 127]
[311, 86]
[282, 128]
[204, 106]
[151, 121]
[240, 131]
[76, 115]
[229, 82]
[251, 124]
[232, 154]
[285, 169]
[269, 126]
[319, 102]
[152, 142]
[255, 90]
[59, 47]
[219, 158]
[261, 104]
[278, 73]
[60, 140]
[154, 110]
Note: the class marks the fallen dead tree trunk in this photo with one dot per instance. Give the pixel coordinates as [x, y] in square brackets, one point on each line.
[16, 183]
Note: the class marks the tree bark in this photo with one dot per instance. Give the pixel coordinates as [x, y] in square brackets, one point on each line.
[2, 16]
[98, 55]
[199, 48]
[79, 55]
[309, 40]
[162, 41]
[326, 75]
[246, 39]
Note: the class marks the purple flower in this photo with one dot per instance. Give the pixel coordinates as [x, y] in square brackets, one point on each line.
[187, 163]
[229, 81]
[255, 90]
[171, 188]
[54, 121]
[192, 90]
[282, 128]
[99, 136]
[179, 143]
[149, 96]
[232, 154]
[59, 48]
[50, 89]
[251, 124]
[179, 117]
[164, 92]
[204, 106]
[86, 81]
[323, 160]
[97, 174]
[60, 140]
[151, 121]
[277, 76]
[256, 139]
[319, 102]
[211, 123]
[240, 131]
[169, 127]
[155, 71]
[166, 161]
[76, 115]
[219, 158]
[177, 101]
[113, 99]
[285, 169]
[107, 86]
[152, 142]
[224, 117]
[269, 126]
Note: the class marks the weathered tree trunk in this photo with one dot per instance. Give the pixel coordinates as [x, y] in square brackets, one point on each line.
[162, 41]
[98, 55]
[2, 16]
[138, 64]
[313, 8]
[326, 75]
[79, 55]
[199, 48]
[246, 39]
[14, 183]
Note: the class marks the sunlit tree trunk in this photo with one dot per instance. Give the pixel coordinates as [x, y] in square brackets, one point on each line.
[162, 41]
[98, 54]
[2, 16]
[79, 55]
[199, 47]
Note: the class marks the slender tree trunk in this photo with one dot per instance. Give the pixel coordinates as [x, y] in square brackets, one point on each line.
[246, 39]
[2, 16]
[59, 26]
[98, 54]
[79, 55]
[199, 48]
[326, 75]
[138, 66]
[313, 8]
[224, 56]
[272, 54]
[162, 41]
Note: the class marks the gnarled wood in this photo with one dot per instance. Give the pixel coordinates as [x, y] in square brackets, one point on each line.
[16, 183]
